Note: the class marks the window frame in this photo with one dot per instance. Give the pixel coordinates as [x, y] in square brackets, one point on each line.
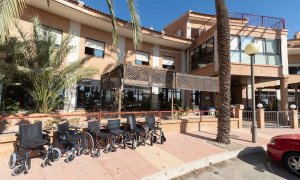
[103, 56]
[174, 59]
[143, 63]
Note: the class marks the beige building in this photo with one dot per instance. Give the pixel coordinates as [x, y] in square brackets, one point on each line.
[186, 45]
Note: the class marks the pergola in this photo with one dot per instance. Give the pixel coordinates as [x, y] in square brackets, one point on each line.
[143, 76]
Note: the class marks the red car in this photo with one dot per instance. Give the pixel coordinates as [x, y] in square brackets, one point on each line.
[286, 148]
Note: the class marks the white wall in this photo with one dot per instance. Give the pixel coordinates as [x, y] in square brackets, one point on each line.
[284, 55]
[70, 100]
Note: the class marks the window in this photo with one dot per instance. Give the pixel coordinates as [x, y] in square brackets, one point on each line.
[94, 48]
[202, 55]
[269, 50]
[142, 58]
[294, 70]
[46, 32]
[168, 62]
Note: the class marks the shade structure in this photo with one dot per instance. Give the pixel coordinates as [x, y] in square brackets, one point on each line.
[144, 76]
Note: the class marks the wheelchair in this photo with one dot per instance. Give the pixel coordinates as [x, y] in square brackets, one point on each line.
[31, 139]
[119, 135]
[101, 139]
[73, 142]
[136, 131]
[153, 130]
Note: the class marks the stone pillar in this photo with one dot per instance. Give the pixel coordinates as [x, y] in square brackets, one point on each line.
[294, 119]
[239, 114]
[70, 99]
[260, 113]
[284, 93]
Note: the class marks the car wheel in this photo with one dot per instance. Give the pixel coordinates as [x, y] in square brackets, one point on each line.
[292, 162]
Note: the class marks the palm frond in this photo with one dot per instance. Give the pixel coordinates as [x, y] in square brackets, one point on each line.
[110, 4]
[10, 10]
[136, 24]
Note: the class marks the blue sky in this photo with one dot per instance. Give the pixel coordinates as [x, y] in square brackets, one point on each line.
[158, 13]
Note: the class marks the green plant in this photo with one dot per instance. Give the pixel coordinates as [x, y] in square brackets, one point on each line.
[41, 63]
[11, 106]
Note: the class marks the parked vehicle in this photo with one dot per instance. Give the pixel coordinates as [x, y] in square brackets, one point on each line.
[286, 149]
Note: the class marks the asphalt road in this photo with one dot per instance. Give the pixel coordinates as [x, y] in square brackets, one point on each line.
[251, 167]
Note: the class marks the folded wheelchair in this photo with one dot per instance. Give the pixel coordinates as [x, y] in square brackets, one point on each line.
[136, 131]
[73, 142]
[154, 132]
[102, 139]
[119, 135]
[31, 139]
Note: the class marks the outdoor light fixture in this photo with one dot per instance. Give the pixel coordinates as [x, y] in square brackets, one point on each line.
[251, 49]
[260, 106]
[293, 106]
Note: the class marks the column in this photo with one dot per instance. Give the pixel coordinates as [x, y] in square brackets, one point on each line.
[260, 118]
[184, 64]
[284, 93]
[70, 100]
[155, 90]
[121, 49]
[296, 97]
[294, 119]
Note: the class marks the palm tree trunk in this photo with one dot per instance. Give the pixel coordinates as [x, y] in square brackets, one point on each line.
[223, 41]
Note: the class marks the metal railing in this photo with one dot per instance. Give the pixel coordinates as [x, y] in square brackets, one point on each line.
[278, 119]
[247, 118]
[258, 20]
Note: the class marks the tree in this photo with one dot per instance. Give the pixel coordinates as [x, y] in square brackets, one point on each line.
[223, 41]
[12, 9]
[40, 63]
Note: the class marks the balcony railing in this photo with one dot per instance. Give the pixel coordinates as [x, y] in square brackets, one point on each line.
[258, 20]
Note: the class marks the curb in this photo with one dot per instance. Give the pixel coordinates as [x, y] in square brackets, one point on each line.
[201, 163]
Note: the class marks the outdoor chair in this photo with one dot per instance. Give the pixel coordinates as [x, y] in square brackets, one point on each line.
[119, 135]
[31, 139]
[73, 141]
[136, 131]
[101, 138]
[154, 130]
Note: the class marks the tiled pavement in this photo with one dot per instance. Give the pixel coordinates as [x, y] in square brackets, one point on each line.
[145, 160]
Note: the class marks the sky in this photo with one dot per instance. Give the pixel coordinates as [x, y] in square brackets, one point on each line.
[159, 13]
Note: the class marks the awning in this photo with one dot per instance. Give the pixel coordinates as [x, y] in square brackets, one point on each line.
[144, 76]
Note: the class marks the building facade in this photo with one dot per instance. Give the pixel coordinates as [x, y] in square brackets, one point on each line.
[186, 45]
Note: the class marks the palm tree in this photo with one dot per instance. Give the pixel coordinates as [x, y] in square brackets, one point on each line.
[223, 41]
[11, 9]
[40, 63]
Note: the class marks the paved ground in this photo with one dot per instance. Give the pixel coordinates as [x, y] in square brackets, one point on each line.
[255, 166]
[144, 161]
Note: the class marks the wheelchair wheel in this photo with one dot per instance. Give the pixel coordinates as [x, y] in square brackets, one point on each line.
[70, 157]
[19, 169]
[162, 140]
[87, 143]
[12, 160]
[28, 163]
[97, 153]
[134, 144]
[56, 154]
[45, 162]
[79, 152]
[109, 148]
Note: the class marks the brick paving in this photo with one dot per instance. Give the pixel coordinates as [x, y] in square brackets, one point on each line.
[145, 160]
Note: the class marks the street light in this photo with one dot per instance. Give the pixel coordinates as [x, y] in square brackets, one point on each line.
[251, 49]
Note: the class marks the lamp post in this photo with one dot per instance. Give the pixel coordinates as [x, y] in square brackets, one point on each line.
[251, 49]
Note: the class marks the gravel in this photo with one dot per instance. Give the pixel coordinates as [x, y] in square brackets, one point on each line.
[229, 147]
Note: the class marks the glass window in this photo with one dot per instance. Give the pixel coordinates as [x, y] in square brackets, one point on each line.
[234, 43]
[294, 70]
[142, 58]
[210, 46]
[260, 43]
[260, 59]
[271, 46]
[274, 60]
[168, 62]
[245, 41]
[94, 48]
[245, 58]
[235, 56]
[46, 32]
